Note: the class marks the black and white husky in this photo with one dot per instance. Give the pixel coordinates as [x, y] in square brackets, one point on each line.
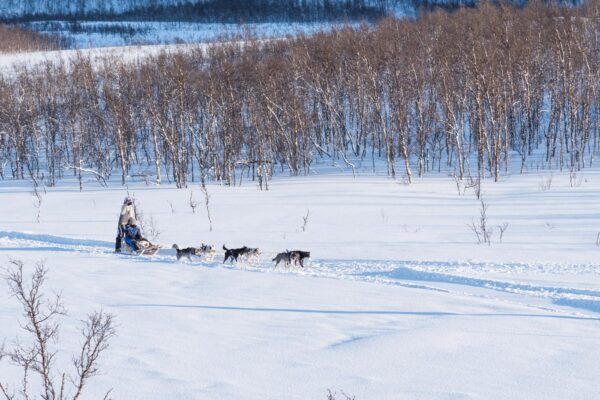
[205, 250]
[248, 253]
[187, 252]
[298, 256]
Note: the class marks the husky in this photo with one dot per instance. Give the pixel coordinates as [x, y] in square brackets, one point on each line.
[298, 256]
[206, 250]
[233, 254]
[187, 252]
[286, 257]
[250, 254]
[295, 257]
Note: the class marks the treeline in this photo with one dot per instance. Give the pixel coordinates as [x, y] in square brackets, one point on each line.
[14, 39]
[244, 11]
[454, 4]
[232, 11]
[227, 11]
[75, 27]
[463, 91]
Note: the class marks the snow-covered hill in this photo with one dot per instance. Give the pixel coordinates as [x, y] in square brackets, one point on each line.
[397, 301]
[92, 34]
[87, 24]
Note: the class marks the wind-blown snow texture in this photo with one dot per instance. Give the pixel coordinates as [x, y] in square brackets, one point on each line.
[397, 301]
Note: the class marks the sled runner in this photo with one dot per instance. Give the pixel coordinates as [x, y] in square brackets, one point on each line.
[145, 248]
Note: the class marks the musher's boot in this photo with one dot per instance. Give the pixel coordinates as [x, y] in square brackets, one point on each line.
[118, 244]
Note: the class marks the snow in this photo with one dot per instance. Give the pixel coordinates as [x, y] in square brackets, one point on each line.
[124, 54]
[397, 302]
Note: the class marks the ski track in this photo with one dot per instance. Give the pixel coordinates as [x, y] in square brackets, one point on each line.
[444, 276]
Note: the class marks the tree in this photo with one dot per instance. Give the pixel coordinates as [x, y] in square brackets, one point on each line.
[41, 322]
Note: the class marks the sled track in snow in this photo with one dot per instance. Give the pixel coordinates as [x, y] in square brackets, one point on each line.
[22, 241]
[428, 275]
[443, 276]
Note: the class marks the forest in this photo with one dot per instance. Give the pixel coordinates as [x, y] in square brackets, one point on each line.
[231, 11]
[464, 92]
[16, 39]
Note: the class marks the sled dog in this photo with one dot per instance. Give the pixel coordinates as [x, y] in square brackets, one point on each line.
[250, 254]
[291, 257]
[187, 252]
[298, 256]
[206, 250]
[233, 254]
[285, 257]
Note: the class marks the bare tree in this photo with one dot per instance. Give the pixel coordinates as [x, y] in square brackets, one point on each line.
[333, 395]
[459, 184]
[574, 179]
[152, 230]
[502, 228]
[38, 198]
[475, 184]
[101, 179]
[480, 226]
[192, 203]
[18, 39]
[41, 322]
[147, 224]
[171, 207]
[204, 191]
[445, 88]
[305, 220]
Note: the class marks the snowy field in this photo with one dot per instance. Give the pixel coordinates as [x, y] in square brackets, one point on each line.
[397, 302]
[126, 54]
[153, 39]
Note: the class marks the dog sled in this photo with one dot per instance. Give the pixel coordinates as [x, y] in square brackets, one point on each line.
[145, 248]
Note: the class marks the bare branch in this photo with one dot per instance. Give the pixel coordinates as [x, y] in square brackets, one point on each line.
[97, 332]
[305, 220]
[204, 191]
[41, 322]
